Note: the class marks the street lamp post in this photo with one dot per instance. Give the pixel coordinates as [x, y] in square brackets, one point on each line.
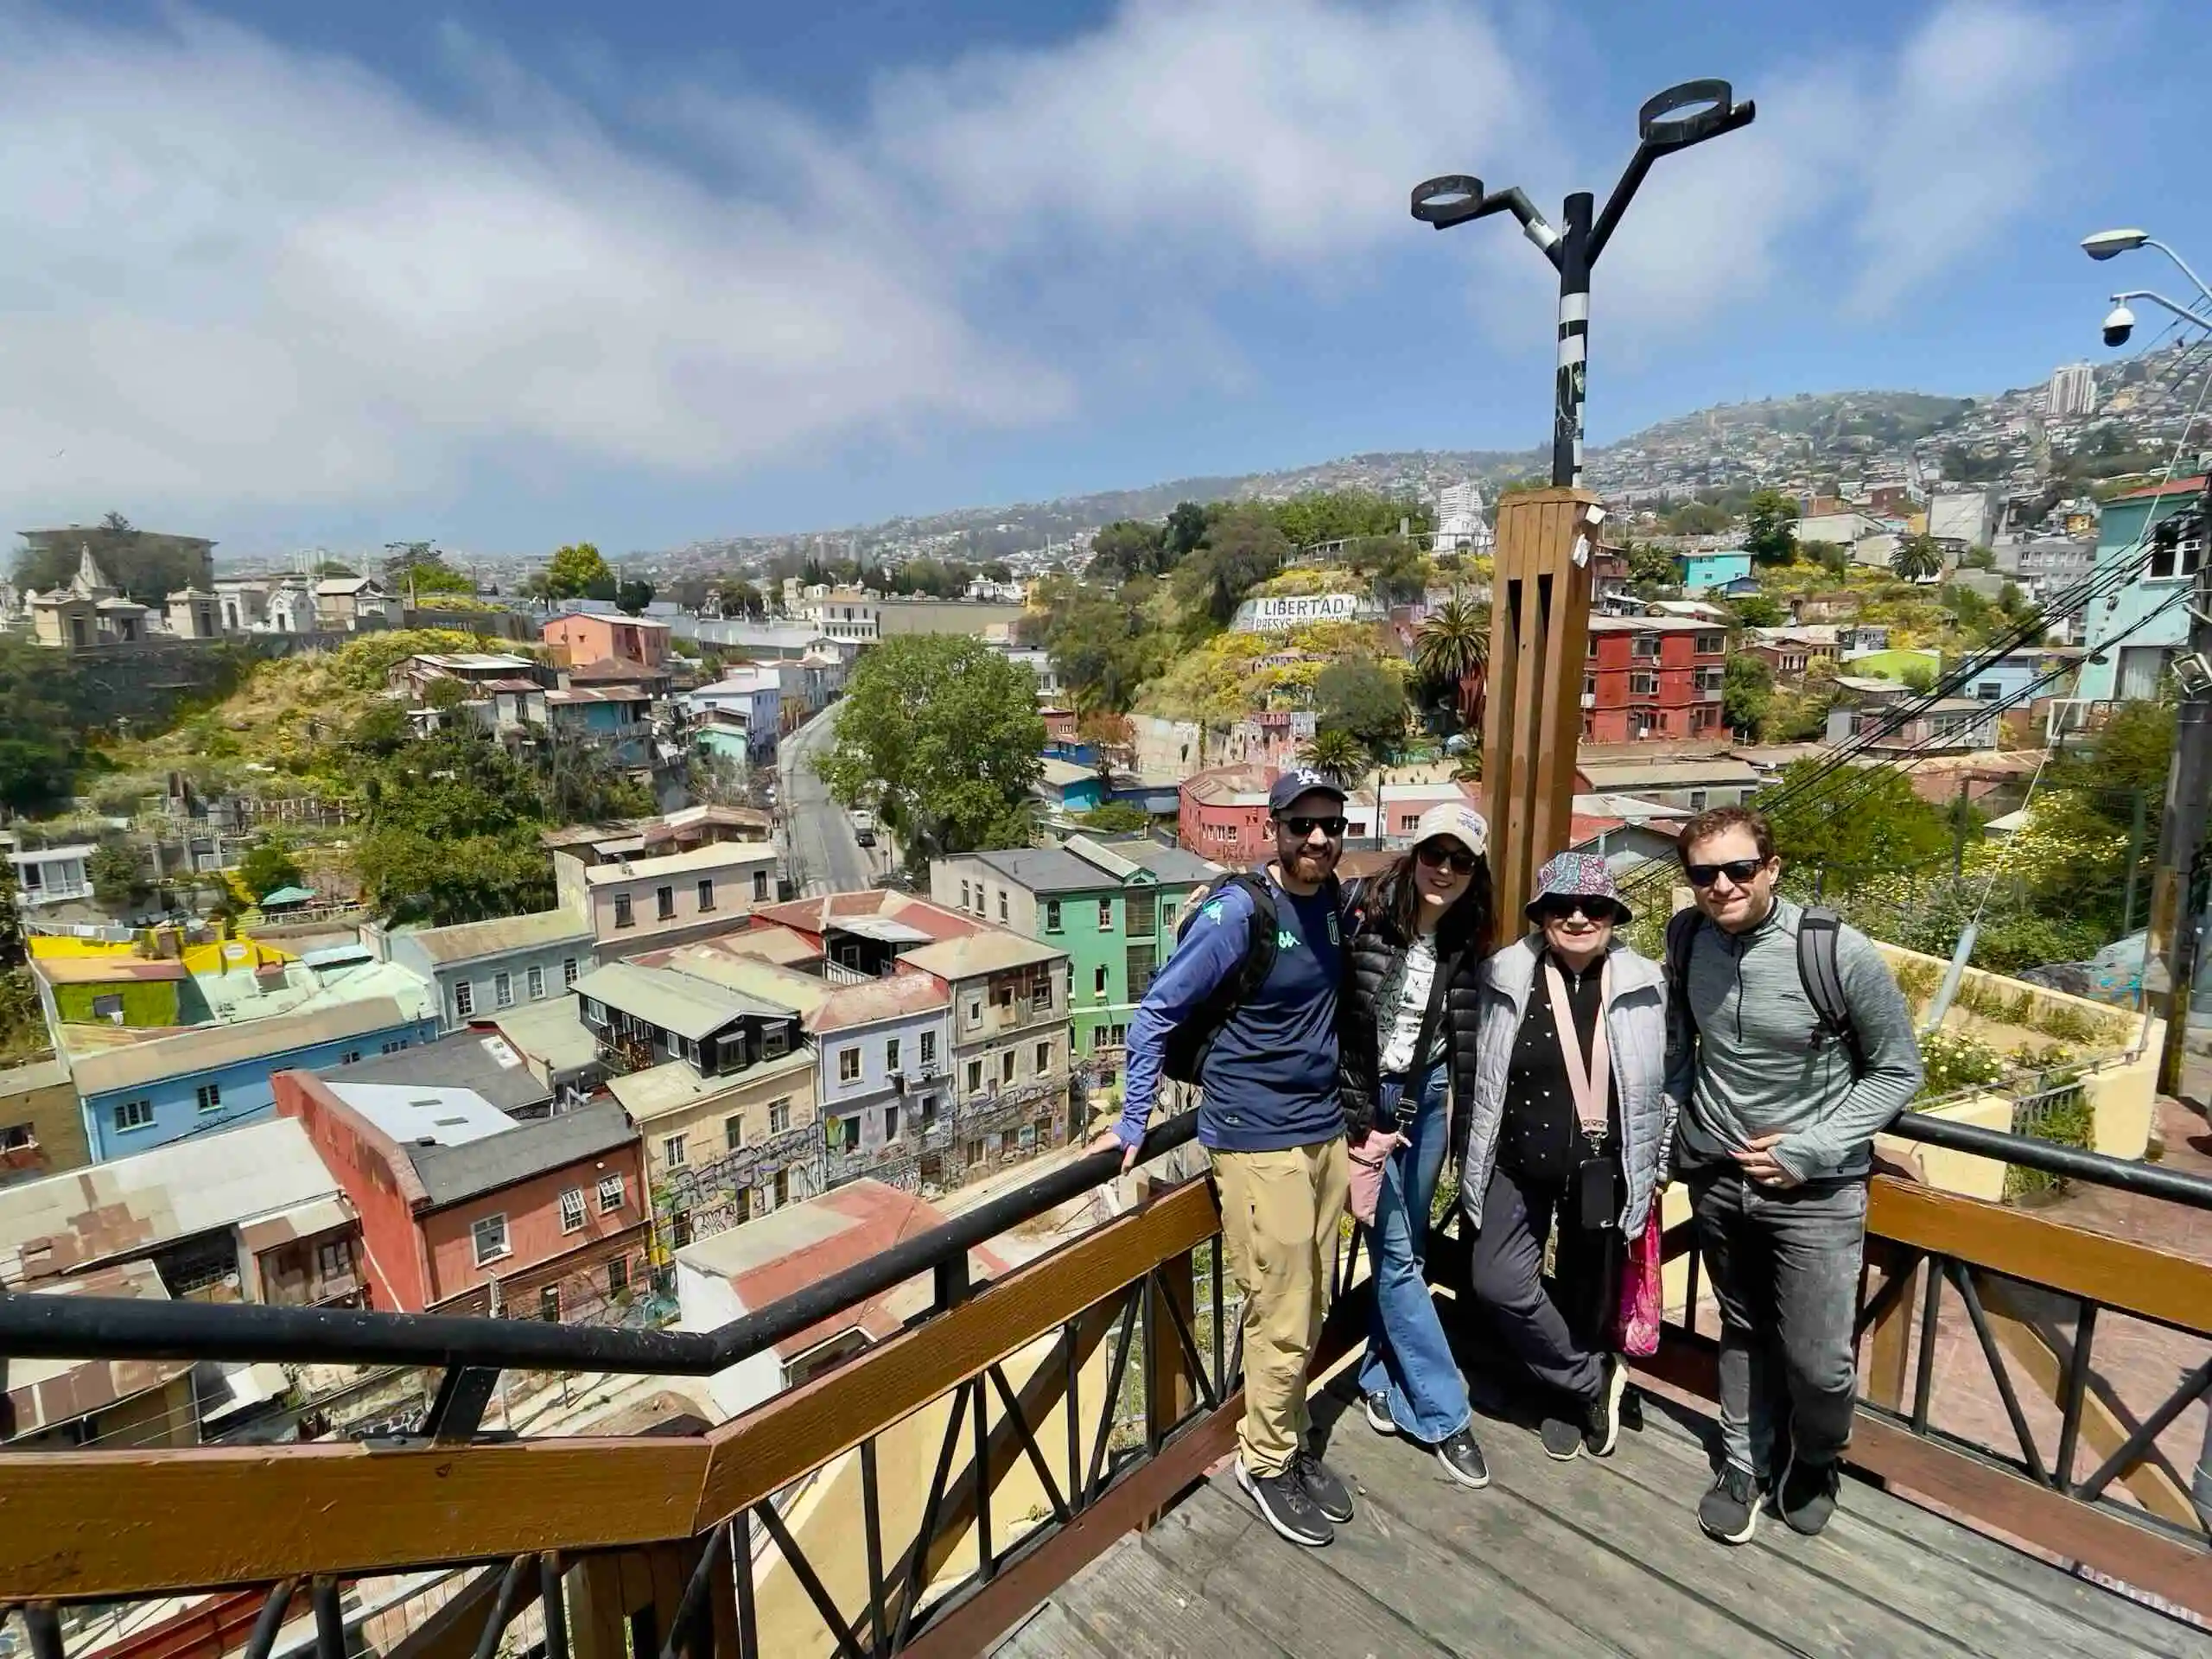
[2182, 844]
[1675, 120]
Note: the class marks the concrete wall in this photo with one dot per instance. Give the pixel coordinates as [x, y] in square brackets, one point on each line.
[393, 1264]
[870, 1094]
[55, 1119]
[943, 616]
[736, 894]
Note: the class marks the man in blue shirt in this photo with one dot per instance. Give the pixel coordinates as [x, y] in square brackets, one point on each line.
[1272, 1120]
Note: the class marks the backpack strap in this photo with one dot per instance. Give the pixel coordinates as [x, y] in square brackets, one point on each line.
[1682, 938]
[1822, 978]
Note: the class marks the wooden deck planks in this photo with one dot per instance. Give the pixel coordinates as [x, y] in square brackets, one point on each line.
[1587, 1557]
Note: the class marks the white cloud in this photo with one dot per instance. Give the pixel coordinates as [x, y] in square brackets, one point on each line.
[242, 275]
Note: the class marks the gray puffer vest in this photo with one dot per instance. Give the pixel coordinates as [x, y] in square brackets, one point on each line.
[1636, 1029]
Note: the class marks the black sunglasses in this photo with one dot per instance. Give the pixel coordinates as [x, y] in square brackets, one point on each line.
[1739, 871]
[1557, 906]
[1302, 828]
[1439, 855]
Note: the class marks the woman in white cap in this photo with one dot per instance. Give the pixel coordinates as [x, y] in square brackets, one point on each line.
[1567, 1119]
[1412, 986]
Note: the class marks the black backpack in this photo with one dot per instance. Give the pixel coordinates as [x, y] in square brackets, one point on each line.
[1188, 1042]
[1817, 971]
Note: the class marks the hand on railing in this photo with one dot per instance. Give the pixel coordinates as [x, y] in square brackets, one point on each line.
[1107, 1140]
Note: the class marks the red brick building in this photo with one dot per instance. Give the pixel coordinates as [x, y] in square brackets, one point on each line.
[465, 1209]
[1650, 676]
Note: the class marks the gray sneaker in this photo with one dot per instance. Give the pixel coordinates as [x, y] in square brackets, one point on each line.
[1283, 1504]
[1321, 1484]
[1730, 1512]
[1807, 1496]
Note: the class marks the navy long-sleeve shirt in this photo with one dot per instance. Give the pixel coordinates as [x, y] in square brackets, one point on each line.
[1269, 1078]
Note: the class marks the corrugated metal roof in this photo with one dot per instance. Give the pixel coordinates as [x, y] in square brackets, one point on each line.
[502, 935]
[209, 1046]
[983, 952]
[691, 1008]
[715, 855]
[448, 1174]
[233, 1177]
[673, 1085]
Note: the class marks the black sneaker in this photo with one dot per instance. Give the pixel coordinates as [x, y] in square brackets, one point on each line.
[1322, 1486]
[1283, 1504]
[1603, 1430]
[1463, 1460]
[1807, 1494]
[1379, 1413]
[1730, 1512]
[1562, 1439]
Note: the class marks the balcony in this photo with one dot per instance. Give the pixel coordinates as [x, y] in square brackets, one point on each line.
[1026, 1463]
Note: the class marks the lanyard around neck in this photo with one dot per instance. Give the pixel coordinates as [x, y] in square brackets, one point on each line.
[1586, 1077]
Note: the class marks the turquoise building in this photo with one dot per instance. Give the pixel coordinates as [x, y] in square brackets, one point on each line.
[2136, 665]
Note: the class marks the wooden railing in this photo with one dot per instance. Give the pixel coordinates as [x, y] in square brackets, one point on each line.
[922, 1495]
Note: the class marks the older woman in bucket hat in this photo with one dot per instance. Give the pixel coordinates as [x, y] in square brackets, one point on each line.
[1567, 1123]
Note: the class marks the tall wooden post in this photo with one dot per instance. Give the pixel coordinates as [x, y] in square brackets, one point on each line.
[1539, 649]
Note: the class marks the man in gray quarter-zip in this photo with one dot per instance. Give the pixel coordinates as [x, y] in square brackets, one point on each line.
[1779, 1110]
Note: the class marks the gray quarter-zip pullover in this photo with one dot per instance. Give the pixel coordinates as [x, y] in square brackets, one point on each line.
[1757, 1062]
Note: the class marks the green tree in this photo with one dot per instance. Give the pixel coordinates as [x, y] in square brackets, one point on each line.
[269, 864]
[577, 571]
[1650, 566]
[1398, 574]
[1116, 818]
[118, 873]
[1757, 611]
[1337, 755]
[1696, 518]
[1243, 548]
[1347, 515]
[411, 876]
[1979, 559]
[944, 736]
[1185, 530]
[1918, 679]
[1770, 528]
[1453, 650]
[1746, 691]
[1359, 695]
[1887, 831]
[633, 595]
[421, 566]
[1917, 559]
[11, 920]
[1832, 556]
[1126, 548]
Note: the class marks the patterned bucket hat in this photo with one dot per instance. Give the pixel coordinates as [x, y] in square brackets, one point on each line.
[1578, 875]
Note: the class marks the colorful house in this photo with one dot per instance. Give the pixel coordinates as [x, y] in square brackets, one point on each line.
[2135, 668]
[1703, 572]
[1111, 906]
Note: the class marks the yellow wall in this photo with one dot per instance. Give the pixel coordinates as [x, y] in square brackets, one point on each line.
[197, 958]
[826, 1519]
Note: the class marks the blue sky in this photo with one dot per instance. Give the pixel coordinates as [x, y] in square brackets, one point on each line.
[510, 275]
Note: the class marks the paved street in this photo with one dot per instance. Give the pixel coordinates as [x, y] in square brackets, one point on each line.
[824, 857]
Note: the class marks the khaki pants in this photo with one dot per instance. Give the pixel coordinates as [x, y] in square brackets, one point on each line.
[1279, 1216]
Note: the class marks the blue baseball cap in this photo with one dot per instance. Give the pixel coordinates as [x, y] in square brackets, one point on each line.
[1300, 780]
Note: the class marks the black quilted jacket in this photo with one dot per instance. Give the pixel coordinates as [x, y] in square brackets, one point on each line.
[1371, 952]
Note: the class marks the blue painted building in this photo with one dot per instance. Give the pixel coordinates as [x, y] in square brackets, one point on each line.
[1703, 572]
[2134, 667]
[149, 1093]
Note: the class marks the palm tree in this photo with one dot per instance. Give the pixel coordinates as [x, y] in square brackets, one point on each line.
[1917, 559]
[1452, 648]
[1337, 755]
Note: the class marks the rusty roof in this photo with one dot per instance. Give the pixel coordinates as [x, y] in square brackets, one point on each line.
[44, 1393]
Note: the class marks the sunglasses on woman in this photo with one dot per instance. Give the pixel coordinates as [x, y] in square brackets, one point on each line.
[1442, 855]
[1559, 907]
[1739, 871]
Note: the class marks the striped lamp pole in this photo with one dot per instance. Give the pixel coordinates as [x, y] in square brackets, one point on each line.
[1675, 120]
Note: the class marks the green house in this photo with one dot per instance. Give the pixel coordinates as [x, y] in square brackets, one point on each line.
[112, 991]
[1112, 905]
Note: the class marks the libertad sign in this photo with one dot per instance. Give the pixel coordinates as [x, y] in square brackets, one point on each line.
[1275, 614]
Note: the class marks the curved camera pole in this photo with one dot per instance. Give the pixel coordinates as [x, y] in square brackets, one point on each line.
[1675, 120]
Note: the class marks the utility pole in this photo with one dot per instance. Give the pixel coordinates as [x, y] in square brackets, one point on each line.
[2177, 888]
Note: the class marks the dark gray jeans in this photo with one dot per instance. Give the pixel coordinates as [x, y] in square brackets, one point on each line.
[1784, 1268]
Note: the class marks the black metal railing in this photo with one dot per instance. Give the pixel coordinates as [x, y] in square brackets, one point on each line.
[1914, 1278]
[473, 1352]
